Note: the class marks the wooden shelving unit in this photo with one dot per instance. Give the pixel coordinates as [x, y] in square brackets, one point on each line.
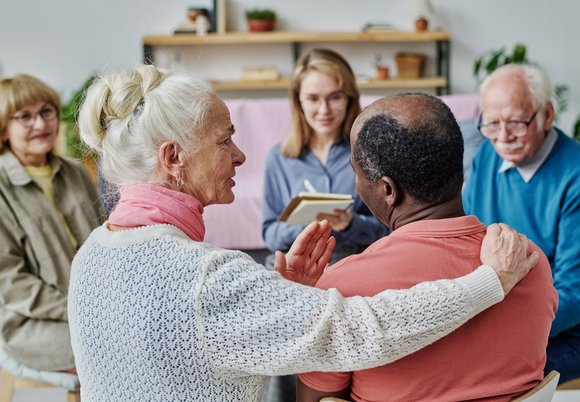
[440, 82]
[428, 82]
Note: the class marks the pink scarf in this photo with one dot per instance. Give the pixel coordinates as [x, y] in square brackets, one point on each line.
[148, 204]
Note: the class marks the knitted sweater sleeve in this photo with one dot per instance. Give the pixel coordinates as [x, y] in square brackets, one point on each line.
[252, 321]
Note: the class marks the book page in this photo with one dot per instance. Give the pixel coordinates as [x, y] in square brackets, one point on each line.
[325, 196]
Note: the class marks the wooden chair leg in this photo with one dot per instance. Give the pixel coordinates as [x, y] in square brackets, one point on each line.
[572, 384]
[73, 396]
[6, 386]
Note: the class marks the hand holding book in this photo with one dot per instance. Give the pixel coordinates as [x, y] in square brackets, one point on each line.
[339, 219]
[306, 207]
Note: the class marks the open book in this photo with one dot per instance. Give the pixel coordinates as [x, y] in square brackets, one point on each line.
[302, 209]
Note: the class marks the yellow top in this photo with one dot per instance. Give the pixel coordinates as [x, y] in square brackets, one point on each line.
[43, 177]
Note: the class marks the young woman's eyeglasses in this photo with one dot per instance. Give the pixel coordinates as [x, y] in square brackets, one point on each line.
[48, 113]
[517, 128]
[336, 101]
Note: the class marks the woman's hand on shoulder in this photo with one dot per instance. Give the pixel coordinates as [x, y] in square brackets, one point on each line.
[308, 256]
[508, 253]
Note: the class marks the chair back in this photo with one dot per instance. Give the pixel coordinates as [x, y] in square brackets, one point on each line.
[544, 391]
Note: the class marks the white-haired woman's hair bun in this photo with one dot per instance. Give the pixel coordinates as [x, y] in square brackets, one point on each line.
[126, 115]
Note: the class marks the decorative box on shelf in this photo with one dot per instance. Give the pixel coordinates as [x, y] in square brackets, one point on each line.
[410, 65]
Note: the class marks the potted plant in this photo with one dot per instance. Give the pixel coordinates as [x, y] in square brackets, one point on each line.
[381, 67]
[261, 19]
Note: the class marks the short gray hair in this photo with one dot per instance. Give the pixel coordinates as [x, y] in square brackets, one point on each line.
[538, 82]
[126, 116]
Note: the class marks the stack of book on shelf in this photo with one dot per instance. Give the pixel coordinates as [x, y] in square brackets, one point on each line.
[267, 73]
[378, 27]
[302, 209]
[189, 27]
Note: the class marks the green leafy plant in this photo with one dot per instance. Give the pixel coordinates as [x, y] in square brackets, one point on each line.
[560, 99]
[68, 116]
[576, 129]
[492, 59]
[261, 14]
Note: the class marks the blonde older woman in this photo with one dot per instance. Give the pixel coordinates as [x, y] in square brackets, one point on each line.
[157, 314]
[48, 207]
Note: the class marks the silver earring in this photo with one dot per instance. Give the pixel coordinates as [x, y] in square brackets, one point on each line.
[179, 183]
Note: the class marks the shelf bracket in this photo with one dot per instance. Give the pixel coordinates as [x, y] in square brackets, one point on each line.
[148, 54]
[295, 51]
[442, 65]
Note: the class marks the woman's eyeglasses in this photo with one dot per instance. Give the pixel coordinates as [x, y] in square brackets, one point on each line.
[48, 113]
[336, 101]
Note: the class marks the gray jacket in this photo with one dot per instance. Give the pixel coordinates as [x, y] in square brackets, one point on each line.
[35, 259]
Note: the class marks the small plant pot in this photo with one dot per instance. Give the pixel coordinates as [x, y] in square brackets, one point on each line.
[261, 25]
[421, 24]
[382, 73]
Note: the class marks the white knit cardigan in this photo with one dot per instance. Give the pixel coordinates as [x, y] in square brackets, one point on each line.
[155, 316]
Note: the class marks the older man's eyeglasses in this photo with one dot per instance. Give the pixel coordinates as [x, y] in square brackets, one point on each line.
[48, 113]
[335, 101]
[517, 128]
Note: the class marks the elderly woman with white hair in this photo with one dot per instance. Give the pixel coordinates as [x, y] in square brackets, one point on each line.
[158, 314]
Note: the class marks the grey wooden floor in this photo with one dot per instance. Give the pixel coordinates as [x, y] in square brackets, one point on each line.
[40, 395]
[59, 395]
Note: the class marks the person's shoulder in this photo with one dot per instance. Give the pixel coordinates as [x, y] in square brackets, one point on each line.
[72, 166]
[275, 150]
[340, 275]
[567, 146]
[485, 151]
[274, 155]
[542, 271]
[69, 162]
[227, 257]
[563, 159]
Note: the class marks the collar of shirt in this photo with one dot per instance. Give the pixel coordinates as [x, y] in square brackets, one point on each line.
[341, 145]
[529, 169]
[17, 173]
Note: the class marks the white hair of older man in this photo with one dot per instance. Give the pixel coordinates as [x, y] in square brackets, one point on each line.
[538, 84]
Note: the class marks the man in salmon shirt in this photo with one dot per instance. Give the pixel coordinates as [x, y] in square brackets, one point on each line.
[407, 156]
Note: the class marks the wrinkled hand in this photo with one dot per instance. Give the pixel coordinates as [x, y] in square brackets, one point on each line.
[339, 220]
[507, 252]
[305, 261]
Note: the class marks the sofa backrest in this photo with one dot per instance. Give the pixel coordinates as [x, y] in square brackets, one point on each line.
[260, 124]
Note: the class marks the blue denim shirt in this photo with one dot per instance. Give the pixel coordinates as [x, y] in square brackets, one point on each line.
[284, 178]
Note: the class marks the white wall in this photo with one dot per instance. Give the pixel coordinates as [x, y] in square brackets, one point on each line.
[63, 41]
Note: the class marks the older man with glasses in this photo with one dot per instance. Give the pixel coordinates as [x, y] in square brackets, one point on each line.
[528, 176]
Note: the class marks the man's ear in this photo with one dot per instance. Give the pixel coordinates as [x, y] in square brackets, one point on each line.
[171, 158]
[391, 191]
[549, 115]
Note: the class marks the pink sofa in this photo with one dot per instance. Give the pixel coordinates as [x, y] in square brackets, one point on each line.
[260, 124]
